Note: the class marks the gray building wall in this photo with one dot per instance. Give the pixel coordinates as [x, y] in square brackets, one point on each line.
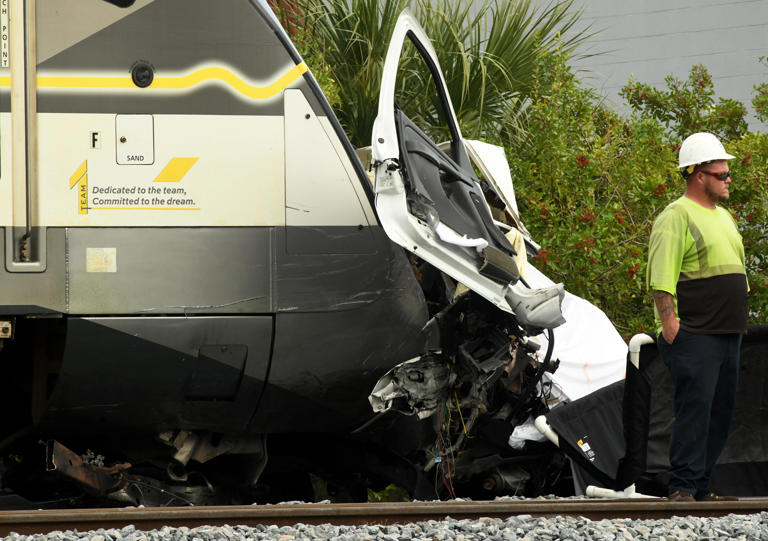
[651, 39]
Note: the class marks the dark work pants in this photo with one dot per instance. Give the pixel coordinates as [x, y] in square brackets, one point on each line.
[705, 369]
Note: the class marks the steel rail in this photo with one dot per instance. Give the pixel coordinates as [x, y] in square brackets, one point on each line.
[44, 521]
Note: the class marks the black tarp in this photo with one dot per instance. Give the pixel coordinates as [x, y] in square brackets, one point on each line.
[626, 426]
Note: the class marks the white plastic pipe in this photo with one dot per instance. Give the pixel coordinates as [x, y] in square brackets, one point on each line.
[634, 347]
[542, 426]
[601, 492]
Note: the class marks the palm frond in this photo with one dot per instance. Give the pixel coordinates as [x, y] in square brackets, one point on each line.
[488, 52]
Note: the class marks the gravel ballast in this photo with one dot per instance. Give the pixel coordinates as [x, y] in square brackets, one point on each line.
[521, 527]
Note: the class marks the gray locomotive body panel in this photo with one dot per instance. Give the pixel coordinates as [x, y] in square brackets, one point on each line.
[201, 236]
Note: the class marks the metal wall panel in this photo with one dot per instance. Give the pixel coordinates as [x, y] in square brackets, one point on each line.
[160, 372]
[169, 270]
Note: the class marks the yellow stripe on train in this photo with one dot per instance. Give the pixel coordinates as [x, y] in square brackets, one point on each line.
[183, 82]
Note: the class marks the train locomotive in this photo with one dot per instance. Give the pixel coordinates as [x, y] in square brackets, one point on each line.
[205, 298]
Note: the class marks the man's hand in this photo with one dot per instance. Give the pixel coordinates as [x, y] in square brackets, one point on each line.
[669, 331]
[665, 304]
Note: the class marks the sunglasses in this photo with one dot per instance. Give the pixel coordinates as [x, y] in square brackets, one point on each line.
[719, 176]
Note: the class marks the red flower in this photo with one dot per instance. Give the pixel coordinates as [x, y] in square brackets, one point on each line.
[587, 217]
[660, 189]
[582, 160]
[587, 244]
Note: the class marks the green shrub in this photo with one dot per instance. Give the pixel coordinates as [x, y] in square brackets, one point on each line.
[686, 107]
[749, 204]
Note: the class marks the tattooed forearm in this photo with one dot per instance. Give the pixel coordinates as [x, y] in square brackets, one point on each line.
[665, 304]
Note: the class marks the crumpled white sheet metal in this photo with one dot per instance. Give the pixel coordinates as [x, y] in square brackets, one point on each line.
[417, 386]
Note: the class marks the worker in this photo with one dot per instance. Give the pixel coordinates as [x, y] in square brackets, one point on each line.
[698, 280]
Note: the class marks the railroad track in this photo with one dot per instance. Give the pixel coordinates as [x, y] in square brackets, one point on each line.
[44, 521]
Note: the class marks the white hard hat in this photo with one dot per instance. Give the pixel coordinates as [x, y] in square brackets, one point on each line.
[700, 148]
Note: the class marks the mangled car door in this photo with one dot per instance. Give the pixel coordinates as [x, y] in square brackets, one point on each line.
[430, 201]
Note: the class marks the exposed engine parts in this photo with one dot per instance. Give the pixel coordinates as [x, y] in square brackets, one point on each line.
[488, 369]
